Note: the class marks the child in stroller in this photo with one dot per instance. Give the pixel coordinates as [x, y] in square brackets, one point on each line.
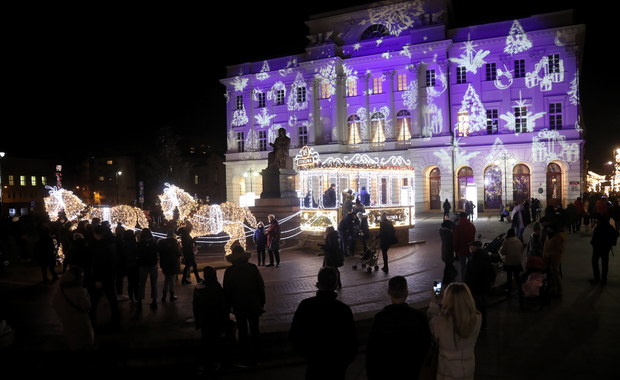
[369, 258]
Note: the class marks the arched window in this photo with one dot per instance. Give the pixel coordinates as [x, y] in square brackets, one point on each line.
[403, 123]
[353, 132]
[375, 31]
[554, 184]
[434, 185]
[465, 176]
[520, 183]
[377, 124]
[492, 187]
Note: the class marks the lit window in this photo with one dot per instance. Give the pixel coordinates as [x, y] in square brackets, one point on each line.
[354, 130]
[303, 135]
[239, 102]
[461, 75]
[101, 178]
[325, 90]
[261, 100]
[195, 179]
[301, 94]
[109, 162]
[519, 68]
[240, 142]
[33, 180]
[402, 82]
[43, 180]
[463, 124]
[555, 116]
[377, 122]
[11, 180]
[491, 71]
[262, 140]
[377, 85]
[430, 78]
[492, 121]
[403, 122]
[280, 95]
[520, 119]
[351, 87]
[22, 180]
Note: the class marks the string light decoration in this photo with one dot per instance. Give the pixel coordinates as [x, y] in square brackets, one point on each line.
[176, 198]
[61, 200]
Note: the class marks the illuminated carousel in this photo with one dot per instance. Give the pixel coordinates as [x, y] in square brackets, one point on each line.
[388, 180]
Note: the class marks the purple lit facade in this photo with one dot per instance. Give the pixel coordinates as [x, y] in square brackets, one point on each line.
[488, 111]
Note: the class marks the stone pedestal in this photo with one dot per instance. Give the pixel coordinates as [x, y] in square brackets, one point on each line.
[280, 208]
[279, 182]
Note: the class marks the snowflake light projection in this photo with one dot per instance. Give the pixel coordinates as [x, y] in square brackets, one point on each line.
[294, 103]
[410, 96]
[228, 217]
[61, 200]
[472, 105]
[327, 74]
[517, 40]
[264, 118]
[406, 51]
[264, 72]
[289, 67]
[471, 59]
[530, 118]
[239, 83]
[396, 18]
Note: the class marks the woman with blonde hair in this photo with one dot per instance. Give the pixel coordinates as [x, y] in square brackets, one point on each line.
[455, 324]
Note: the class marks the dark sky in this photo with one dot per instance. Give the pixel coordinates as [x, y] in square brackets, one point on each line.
[85, 76]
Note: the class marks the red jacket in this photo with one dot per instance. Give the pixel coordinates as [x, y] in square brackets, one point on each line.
[579, 206]
[464, 232]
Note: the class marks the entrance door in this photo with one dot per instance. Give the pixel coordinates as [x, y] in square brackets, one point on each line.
[434, 182]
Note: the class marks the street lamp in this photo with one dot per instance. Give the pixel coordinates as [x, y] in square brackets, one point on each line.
[1, 204]
[505, 157]
[118, 174]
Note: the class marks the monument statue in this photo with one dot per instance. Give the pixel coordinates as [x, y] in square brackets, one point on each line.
[278, 157]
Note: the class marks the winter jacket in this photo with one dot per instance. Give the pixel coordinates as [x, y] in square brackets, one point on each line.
[244, 288]
[259, 237]
[273, 236]
[479, 273]
[512, 249]
[554, 248]
[387, 234]
[447, 244]
[169, 256]
[147, 253]
[464, 232]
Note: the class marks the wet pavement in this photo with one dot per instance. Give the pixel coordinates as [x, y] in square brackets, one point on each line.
[575, 337]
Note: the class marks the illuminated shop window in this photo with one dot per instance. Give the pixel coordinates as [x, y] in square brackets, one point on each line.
[492, 121]
[402, 82]
[240, 142]
[555, 116]
[521, 183]
[490, 71]
[325, 90]
[302, 132]
[353, 135]
[492, 187]
[403, 125]
[519, 68]
[239, 102]
[280, 95]
[461, 75]
[375, 31]
[351, 87]
[301, 94]
[262, 99]
[377, 127]
[430, 78]
[554, 184]
[520, 119]
[377, 85]
[262, 140]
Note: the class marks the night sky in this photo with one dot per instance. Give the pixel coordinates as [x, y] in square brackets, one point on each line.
[109, 76]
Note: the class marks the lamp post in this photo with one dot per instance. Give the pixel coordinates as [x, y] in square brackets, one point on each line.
[1, 202]
[118, 174]
[505, 157]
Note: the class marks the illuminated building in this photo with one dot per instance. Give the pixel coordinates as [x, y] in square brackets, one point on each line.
[488, 113]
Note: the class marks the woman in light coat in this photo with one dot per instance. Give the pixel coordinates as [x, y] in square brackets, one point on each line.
[72, 304]
[512, 253]
[455, 325]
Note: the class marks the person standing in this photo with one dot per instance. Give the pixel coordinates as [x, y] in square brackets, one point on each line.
[446, 209]
[45, 252]
[104, 258]
[512, 251]
[464, 233]
[455, 325]
[553, 250]
[169, 261]
[364, 196]
[323, 331]
[130, 253]
[333, 256]
[518, 222]
[147, 266]
[329, 197]
[211, 316]
[260, 240]
[399, 337]
[581, 212]
[387, 237]
[479, 277]
[364, 230]
[447, 252]
[188, 248]
[604, 237]
[72, 304]
[273, 240]
[345, 232]
[535, 244]
[245, 293]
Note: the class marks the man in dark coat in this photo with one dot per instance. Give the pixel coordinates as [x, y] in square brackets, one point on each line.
[45, 252]
[447, 252]
[323, 331]
[446, 208]
[245, 293]
[479, 277]
[464, 233]
[169, 260]
[399, 337]
[604, 237]
[189, 256]
[333, 256]
[104, 263]
[329, 197]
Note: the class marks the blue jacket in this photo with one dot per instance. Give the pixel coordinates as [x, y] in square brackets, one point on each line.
[259, 237]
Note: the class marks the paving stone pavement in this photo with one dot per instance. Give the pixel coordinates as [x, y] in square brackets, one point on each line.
[576, 337]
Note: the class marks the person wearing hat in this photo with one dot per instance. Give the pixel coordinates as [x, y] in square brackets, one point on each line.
[479, 277]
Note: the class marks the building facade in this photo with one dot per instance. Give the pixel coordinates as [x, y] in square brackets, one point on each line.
[488, 113]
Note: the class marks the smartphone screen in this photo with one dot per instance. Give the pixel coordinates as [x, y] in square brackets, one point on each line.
[437, 287]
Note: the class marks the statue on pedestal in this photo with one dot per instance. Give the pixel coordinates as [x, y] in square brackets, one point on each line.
[278, 158]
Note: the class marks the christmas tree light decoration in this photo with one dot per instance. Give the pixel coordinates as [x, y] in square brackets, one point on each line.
[517, 40]
[61, 200]
[176, 198]
[264, 72]
[472, 105]
[239, 118]
[295, 101]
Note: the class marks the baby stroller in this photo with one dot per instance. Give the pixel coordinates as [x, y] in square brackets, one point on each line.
[493, 249]
[369, 257]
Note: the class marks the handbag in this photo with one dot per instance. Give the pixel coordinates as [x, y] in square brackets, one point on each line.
[428, 370]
